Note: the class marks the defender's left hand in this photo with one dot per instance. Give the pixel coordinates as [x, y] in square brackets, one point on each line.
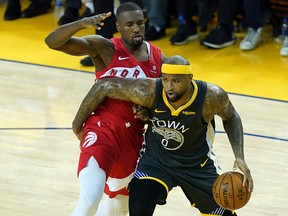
[95, 21]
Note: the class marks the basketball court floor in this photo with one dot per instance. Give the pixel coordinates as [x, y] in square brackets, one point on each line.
[41, 90]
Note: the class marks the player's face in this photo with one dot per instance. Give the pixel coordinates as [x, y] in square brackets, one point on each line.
[177, 87]
[131, 25]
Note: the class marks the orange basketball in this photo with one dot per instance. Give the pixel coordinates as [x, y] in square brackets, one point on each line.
[228, 191]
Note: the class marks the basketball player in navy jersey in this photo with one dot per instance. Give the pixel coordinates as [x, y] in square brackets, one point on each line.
[179, 136]
[112, 137]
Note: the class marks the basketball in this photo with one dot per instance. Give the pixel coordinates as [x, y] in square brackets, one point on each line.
[228, 191]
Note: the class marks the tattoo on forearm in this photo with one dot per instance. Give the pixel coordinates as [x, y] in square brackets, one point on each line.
[234, 130]
[116, 88]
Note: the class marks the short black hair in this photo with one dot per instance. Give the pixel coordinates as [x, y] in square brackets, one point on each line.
[177, 60]
[127, 6]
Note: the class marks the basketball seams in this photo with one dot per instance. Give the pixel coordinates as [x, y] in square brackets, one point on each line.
[232, 191]
[248, 195]
[227, 183]
[220, 189]
[241, 177]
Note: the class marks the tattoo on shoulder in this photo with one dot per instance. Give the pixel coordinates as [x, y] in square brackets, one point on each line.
[216, 102]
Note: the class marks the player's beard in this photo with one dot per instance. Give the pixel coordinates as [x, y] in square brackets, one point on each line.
[137, 43]
[175, 98]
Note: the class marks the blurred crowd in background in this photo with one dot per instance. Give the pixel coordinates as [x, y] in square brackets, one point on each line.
[221, 19]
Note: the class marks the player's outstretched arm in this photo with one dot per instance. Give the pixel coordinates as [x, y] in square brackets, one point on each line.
[221, 105]
[62, 38]
[138, 91]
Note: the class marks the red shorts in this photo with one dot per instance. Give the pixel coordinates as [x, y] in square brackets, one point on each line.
[115, 144]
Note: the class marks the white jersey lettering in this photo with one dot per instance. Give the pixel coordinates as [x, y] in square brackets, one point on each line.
[122, 72]
[169, 124]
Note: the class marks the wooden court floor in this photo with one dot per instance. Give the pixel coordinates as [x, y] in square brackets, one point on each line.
[39, 152]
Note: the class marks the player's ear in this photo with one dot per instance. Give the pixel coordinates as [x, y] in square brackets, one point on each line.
[190, 76]
[117, 26]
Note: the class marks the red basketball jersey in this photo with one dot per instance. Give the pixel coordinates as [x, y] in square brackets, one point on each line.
[112, 135]
[125, 65]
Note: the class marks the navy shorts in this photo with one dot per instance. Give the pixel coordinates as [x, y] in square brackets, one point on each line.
[196, 182]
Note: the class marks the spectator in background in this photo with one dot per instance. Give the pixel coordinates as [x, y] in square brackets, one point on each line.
[157, 20]
[255, 18]
[35, 8]
[89, 9]
[72, 8]
[71, 12]
[279, 15]
[222, 36]
[156, 12]
[284, 48]
[187, 28]
[254, 21]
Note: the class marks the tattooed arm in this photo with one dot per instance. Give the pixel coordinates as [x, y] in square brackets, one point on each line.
[217, 103]
[142, 113]
[139, 91]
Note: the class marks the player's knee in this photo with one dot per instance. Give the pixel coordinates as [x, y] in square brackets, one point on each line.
[92, 181]
[113, 206]
[86, 205]
[93, 197]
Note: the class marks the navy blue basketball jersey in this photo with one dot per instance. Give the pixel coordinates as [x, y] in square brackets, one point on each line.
[179, 138]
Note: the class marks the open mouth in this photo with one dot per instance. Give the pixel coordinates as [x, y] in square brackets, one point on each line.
[171, 95]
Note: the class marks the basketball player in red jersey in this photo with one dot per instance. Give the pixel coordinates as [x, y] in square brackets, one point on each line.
[112, 137]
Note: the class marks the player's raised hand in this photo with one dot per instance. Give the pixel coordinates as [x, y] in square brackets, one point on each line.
[95, 21]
